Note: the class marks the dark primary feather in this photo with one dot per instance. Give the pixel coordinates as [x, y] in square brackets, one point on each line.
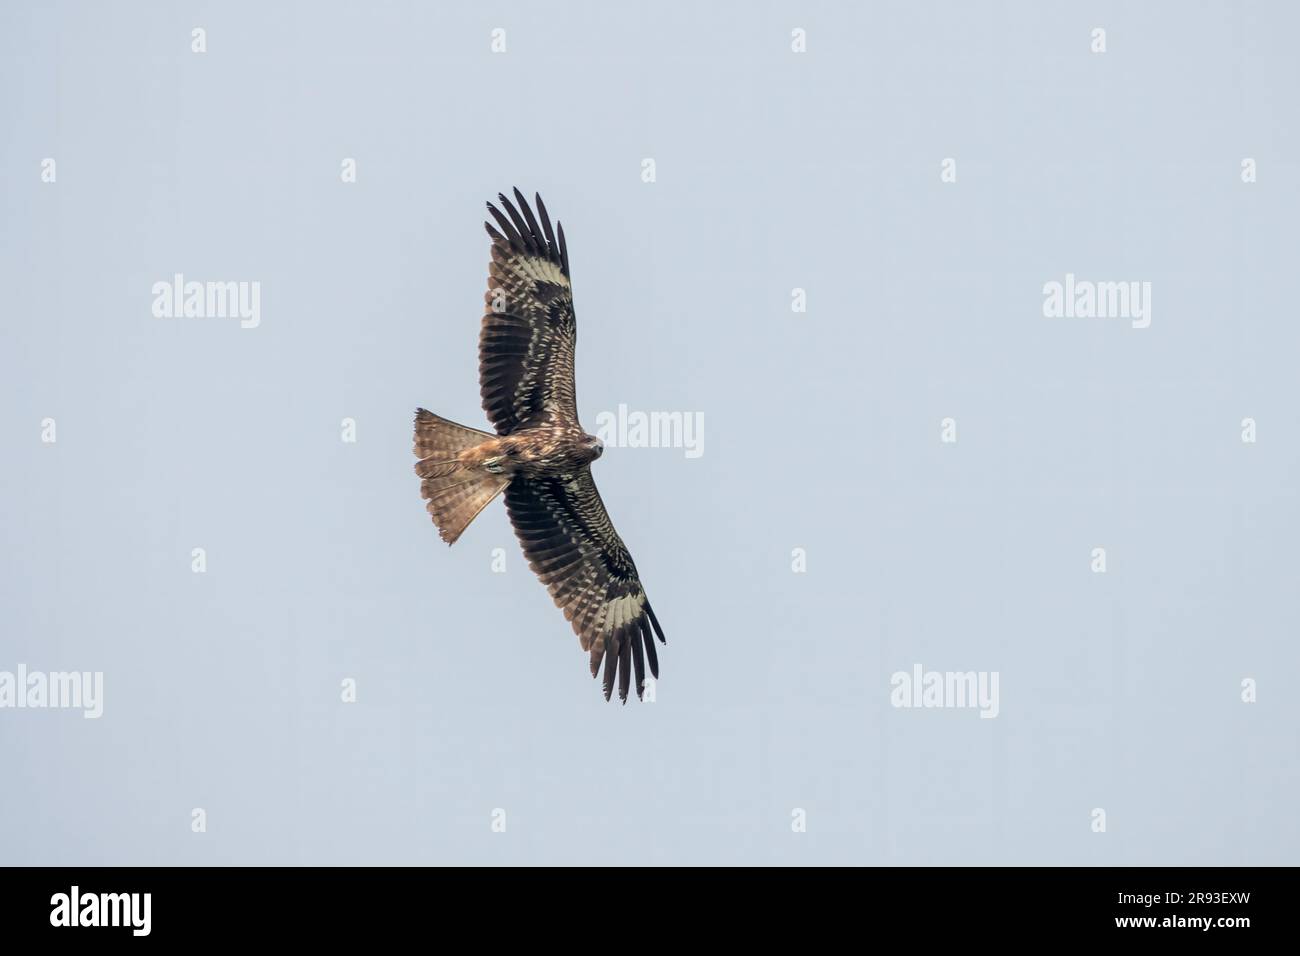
[525, 230]
[528, 214]
[516, 241]
[546, 226]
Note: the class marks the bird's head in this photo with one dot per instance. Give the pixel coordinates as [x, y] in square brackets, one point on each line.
[595, 446]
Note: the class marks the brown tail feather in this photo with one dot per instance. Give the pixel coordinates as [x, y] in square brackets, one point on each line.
[431, 468]
[438, 438]
[455, 492]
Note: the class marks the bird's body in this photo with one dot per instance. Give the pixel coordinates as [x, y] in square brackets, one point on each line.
[535, 451]
[540, 456]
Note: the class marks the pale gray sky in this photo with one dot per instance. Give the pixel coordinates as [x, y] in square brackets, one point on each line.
[774, 170]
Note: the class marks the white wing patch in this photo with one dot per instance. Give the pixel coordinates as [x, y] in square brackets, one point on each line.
[624, 610]
[541, 270]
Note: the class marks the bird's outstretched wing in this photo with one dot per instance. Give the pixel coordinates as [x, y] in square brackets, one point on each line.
[526, 343]
[572, 546]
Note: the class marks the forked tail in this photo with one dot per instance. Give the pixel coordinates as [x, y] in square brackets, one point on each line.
[456, 491]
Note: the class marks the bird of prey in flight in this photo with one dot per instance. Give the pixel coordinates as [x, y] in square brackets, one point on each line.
[540, 456]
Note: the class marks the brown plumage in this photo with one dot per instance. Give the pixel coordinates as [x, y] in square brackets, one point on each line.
[540, 456]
